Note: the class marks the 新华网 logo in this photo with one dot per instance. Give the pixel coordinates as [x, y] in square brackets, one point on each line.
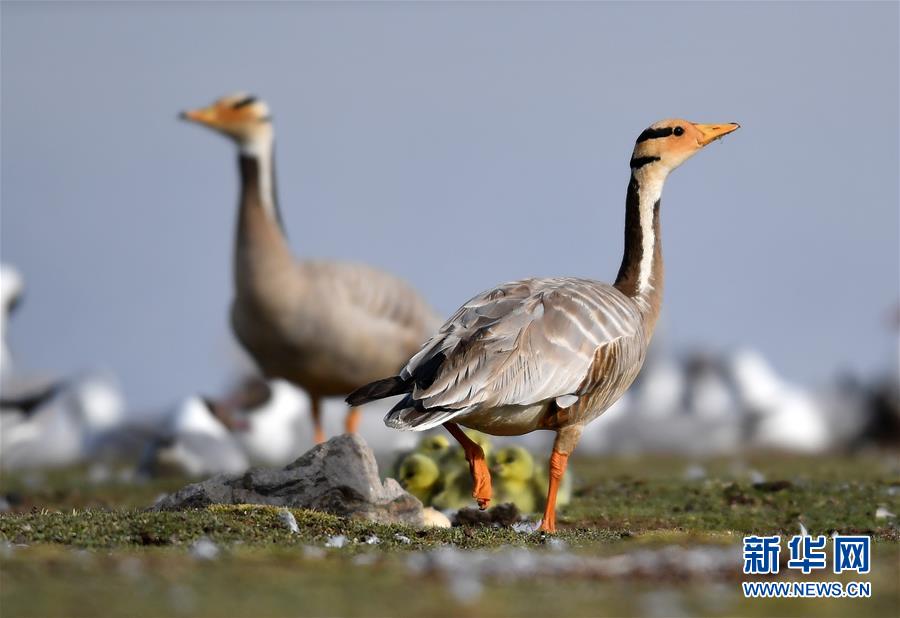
[807, 554]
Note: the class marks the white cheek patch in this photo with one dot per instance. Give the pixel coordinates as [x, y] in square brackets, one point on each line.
[565, 401]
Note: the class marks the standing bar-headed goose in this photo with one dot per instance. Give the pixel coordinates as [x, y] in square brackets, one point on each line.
[326, 326]
[549, 353]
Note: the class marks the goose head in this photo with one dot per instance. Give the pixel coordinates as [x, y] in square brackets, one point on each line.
[668, 143]
[239, 116]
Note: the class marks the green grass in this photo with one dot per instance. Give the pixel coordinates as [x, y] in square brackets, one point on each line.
[251, 526]
[73, 548]
[725, 505]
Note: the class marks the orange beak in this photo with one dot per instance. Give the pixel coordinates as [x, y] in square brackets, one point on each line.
[204, 115]
[711, 132]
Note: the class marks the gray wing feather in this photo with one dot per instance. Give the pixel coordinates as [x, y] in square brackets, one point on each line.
[523, 343]
[375, 295]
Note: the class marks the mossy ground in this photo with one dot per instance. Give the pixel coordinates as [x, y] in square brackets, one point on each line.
[89, 549]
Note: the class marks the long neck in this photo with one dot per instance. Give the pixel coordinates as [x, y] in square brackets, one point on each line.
[256, 162]
[641, 273]
[261, 248]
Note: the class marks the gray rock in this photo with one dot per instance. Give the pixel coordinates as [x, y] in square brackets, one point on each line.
[338, 477]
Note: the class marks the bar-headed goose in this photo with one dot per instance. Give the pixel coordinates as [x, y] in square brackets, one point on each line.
[326, 326]
[549, 353]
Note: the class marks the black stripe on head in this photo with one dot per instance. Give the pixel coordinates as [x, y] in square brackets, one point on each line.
[654, 134]
[639, 162]
[244, 102]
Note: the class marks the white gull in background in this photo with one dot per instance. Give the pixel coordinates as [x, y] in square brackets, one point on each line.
[194, 442]
[11, 288]
[660, 388]
[709, 393]
[715, 404]
[68, 426]
[279, 429]
[380, 439]
[258, 423]
[785, 417]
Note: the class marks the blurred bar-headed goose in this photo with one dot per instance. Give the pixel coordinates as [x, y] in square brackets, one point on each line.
[326, 326]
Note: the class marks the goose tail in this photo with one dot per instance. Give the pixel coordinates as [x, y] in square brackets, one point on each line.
[409, 415]
[388, 387]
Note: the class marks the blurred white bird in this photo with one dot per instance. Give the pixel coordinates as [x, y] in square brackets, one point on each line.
[11, 289]
[275, 422]
[709, 393]
[277, 430]
[786, 416]
[660, 387]
[194, 442]
[64, 424]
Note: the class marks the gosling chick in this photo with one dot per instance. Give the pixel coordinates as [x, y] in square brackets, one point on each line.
[434, 447]
[455, 488]
[513, 471]
[419, 475]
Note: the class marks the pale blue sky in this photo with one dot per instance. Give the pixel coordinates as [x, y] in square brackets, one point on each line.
[458, 145]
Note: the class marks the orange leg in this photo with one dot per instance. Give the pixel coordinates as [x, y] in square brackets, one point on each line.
[481, 476]
[316, 410]
[351, 423]
[558, 463]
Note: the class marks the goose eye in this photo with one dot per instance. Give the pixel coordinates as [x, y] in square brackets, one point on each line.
[678, 131]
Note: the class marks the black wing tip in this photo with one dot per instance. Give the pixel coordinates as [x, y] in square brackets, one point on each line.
[27, 404]
[379, 389]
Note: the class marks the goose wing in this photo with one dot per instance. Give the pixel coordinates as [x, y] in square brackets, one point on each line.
[370, 294]
[516, 345]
